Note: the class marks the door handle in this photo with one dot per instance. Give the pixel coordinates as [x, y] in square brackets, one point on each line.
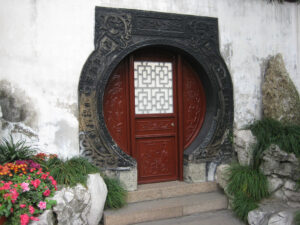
[172, 124]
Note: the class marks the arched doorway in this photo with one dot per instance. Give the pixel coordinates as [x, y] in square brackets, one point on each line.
[120, 32]
[154, 106]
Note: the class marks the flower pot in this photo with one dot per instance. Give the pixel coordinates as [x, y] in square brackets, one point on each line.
[2, 220]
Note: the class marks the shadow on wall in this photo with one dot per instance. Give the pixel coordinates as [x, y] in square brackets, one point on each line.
[17, 114]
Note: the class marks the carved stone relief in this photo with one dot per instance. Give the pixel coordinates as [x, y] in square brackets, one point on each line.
[119, 32]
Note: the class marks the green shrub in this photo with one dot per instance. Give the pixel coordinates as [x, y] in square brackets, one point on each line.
[245, 180]
[297, 218]
[242, 205]
[116, 194]
[248, 187]
[70, 172]
[11, 151]
[269, 131]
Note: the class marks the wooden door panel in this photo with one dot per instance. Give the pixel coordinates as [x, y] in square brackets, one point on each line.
[160, 134]
[115, 107]
[156, 157]
[155, 126]
[194, 104]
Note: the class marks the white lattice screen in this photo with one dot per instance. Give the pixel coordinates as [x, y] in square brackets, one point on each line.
[153, 87]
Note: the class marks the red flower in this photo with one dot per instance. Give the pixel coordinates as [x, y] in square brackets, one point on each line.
[35, 183]
[24, 218]
[46, 193]
[44, 176]
[34, 218]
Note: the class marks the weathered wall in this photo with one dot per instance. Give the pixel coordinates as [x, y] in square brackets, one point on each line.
[44, 44]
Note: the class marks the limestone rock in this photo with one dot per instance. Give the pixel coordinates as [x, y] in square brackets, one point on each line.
[243, 142]
[290, 185]
[280, 163]
[47, 218]
[258, 217]
[271, 212]
[98, 190]
[222, 175]
[281, 218]
[73, 204]
[274, 183]
[280, 97]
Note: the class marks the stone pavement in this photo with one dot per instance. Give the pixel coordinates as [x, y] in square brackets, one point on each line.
[221, 217]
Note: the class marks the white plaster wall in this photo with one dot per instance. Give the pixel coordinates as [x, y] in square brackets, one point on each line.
[44, 44]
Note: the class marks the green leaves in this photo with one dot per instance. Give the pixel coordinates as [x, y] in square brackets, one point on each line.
[11, 151]
[269, 131]
[297, 218]
[248, 187]
[116, 195]
[70, 172]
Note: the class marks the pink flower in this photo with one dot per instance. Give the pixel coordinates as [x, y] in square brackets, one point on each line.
[22, 206]
[35, 183]
[46, 193]
[42, 205]
[34, 218]
[25, 186]
[31, 209]
[24, 218]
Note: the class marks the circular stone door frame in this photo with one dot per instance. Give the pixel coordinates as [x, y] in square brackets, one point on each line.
[119, 32]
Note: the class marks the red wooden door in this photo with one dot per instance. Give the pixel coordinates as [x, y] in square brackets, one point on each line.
[154, 106]
[153, 113]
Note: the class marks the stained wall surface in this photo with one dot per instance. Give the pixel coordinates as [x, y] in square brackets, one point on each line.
[44, 44]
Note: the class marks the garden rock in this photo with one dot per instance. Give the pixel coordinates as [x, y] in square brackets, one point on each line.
[98, 191]
[280, 97]
[272, 212]
[222, 175]
[280, 163]
[47, 218]
[73, 205]
[274, 183]
[243, 142]
[281, 218]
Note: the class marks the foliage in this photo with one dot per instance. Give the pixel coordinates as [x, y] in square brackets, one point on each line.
[269, 131]
[242, 205]
[11, 151]
[24, 189]
[70, 172]
[116, 195]
[297, 218]
[248, 187]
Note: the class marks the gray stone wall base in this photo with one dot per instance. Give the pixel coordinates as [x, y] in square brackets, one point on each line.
[194, 172]
[127, 177]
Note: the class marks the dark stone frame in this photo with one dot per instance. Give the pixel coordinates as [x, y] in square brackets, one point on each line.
[118, 32]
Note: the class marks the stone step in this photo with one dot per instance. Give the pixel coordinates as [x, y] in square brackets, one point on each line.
[165, 208]
[171, 189]
[220, 217]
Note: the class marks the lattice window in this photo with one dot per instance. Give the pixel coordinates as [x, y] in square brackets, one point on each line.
[153, 87]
